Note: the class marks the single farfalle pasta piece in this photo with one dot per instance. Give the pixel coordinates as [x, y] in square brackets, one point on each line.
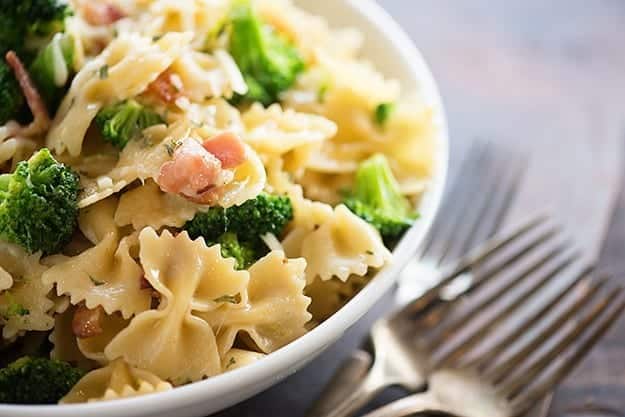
[115, 381]
[148, 206]
[144, 159]
[343, 246]
[24, 299]
[173, 341]
[287, 133]
[334, 242]
[140, 160]
[105, 275]
[124, 70]
[276, 312]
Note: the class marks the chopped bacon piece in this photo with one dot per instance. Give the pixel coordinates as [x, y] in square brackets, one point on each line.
[144, 284]
[99, 14]
[193, 173]
[41, 118]
[87, 323]
[228, 148]
[164, 89]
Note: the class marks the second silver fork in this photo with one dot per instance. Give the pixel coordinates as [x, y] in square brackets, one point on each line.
[401, 358]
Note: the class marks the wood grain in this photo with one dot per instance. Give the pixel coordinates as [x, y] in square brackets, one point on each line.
[545, 78]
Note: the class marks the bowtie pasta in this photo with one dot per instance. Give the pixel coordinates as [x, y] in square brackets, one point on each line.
[188, 186]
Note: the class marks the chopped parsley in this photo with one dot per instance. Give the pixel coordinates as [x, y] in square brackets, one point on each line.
[103, 72]
[383, 112]
[96, 282]
[232, 299]
[172, 146]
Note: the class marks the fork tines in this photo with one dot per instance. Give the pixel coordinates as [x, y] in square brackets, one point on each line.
[531, 312]
[476, 203]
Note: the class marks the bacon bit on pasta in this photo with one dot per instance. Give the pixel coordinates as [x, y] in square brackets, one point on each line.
[87, 323]
[41, 118]
[193, 173]
[99, 14]
[144, 284]
[228, 148]
[164, 89]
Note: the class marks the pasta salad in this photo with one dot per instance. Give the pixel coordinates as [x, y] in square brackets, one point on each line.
[188, 186]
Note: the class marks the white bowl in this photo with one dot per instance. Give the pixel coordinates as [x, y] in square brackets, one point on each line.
[394, 53]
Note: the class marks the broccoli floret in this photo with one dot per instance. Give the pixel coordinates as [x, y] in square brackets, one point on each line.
[52, 69]
[11, 98]
[239, 229]
[244, 253]
[268, 62]
[24, 19]
[37, 381]
[24, 26]
[38, 208]
[121, 122]
[376, 198]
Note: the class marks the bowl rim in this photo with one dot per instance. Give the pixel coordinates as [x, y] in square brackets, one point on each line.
[333, 328]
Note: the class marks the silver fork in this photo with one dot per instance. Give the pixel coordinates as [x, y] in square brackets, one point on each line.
[507, 378]
[480, 197]
[534, 247]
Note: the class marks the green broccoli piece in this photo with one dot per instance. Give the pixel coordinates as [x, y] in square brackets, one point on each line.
[376, 198]
[26, 19]
[38, 208]
[15, 309]
[11, 98]
[244, 253]
[37, 381]
[239, 229]
[383, 112]
[52, 69]
[124, 121]
[268, 62]
[24, 26]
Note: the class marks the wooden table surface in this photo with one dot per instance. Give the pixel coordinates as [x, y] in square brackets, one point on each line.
[546, 78]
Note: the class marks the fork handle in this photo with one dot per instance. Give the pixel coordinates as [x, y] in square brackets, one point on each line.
[354, 393]
[354, 368]
[413, 404]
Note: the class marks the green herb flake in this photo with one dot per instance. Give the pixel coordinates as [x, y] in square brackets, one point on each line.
[96, 282]
[16, 310]
[231, 363]
[103, 72]
[172, 146]
[322, 92]
[232, 299]
[383, 112]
